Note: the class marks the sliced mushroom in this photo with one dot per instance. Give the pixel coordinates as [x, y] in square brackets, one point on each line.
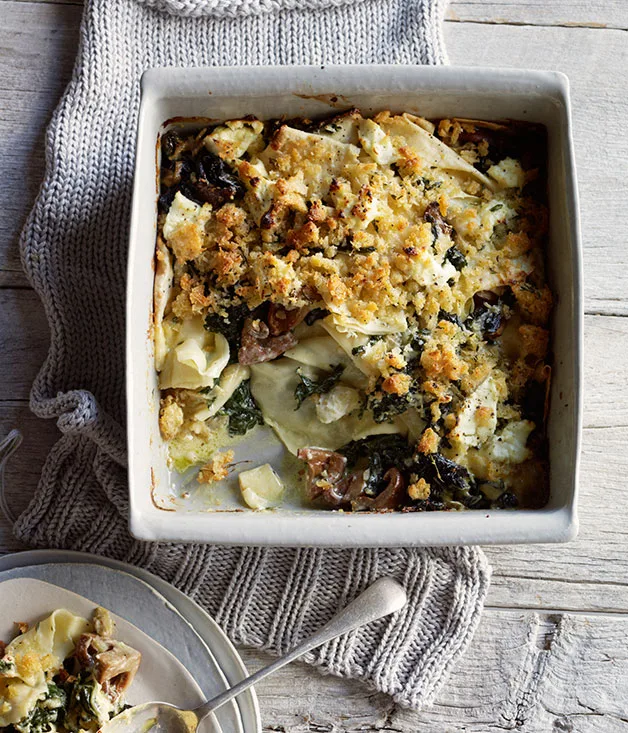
[258, 345]
[281, 320]
[325, 475]
[391, 497]
[433, 216]
[215, 182]
[113, 663]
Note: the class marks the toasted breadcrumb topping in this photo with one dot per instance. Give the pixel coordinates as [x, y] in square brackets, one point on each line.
[217, 469]
[419, 246]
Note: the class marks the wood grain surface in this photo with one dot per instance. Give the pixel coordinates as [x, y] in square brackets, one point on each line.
[551, 653]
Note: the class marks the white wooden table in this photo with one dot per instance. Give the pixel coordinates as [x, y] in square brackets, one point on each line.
[551, 653]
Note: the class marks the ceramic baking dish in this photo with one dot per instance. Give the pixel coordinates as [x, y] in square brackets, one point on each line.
[157, 510]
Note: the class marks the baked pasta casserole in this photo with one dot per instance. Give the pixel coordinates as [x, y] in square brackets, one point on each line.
[65, 675]
[371, 289]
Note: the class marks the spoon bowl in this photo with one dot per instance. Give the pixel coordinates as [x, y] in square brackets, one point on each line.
[156, 717]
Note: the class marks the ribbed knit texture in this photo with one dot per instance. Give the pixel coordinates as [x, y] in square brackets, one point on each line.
[74, 252]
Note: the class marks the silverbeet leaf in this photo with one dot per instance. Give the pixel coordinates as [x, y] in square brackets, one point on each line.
[455, 256]
[47, 713]
[230, 325]
[388, 406]
[242, 410]
[308, 387]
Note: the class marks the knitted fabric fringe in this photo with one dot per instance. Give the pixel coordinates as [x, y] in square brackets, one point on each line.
[74, 252]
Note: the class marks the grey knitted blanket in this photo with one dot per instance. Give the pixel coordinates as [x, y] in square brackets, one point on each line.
[74, 252]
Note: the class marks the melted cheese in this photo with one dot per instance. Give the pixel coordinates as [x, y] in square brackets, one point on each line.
[510, 445]
[235, 138]
[508, 173]
[477, 419]
[182, 212]
[337, 403]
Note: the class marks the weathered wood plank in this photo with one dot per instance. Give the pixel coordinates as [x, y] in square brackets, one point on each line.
[570, 13]
[23, 341]
[23, 470]
[590, 13]
[523, 671]
[37, 48]
[605, 372]
[600, 104]
[557, 577]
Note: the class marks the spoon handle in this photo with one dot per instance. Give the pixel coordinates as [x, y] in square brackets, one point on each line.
[383, 597]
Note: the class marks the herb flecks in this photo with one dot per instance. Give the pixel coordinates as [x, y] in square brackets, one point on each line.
[386, 406]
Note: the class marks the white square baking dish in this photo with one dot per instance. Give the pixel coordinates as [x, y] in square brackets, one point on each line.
[157, 511]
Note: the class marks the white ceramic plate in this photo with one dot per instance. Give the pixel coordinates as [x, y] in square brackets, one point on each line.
[159, 611]
[161, 675]
[159, 509]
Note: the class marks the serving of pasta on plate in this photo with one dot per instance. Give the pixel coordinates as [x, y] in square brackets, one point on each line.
[65, 674]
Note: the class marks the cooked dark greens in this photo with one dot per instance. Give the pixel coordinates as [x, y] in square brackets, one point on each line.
[242, 411]
[308, 387]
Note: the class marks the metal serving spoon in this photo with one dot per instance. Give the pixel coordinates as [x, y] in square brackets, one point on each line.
[383, 597]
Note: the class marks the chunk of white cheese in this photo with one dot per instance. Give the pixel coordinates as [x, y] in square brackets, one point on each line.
[337, 403]
[181, 211]
[510, 445]
[231, 140]
[260, 487]
[376, 142]
[508, 173]
[478, 221]
[478, 418]
[344, 128]
[427, 271]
